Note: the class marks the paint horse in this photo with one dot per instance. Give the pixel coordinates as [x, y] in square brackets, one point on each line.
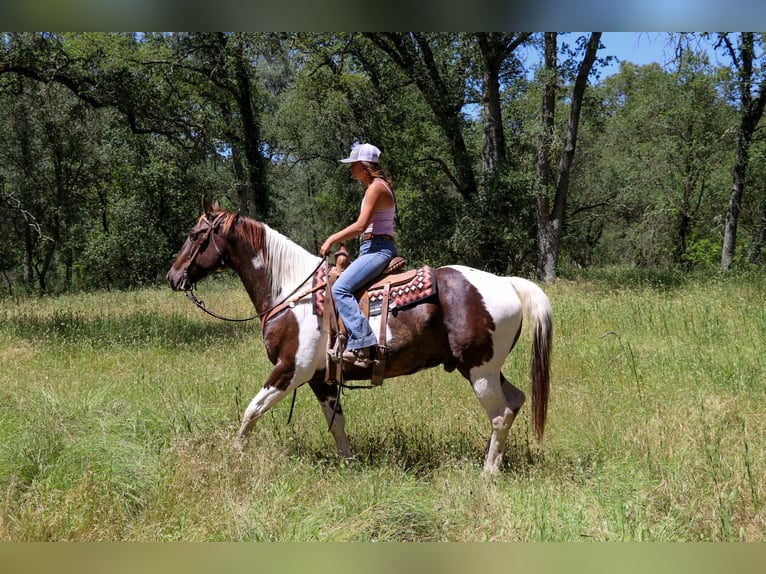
[471, 325]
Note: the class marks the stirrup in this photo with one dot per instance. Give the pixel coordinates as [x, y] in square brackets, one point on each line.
[336, 350]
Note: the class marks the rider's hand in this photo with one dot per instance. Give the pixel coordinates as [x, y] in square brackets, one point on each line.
[326, 246]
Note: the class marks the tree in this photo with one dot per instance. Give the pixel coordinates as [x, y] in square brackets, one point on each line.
[110, 134]
[758, 177]
[752, 98]
[217, 74]
[550, 220]
[347, 89]
[442, 84]
[67, 161]
[646, 187]
[51, 164]
[495, 49]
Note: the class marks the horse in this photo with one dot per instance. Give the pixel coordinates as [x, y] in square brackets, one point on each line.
[471, 324]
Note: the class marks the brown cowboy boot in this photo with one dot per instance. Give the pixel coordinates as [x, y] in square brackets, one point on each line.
[362, 358]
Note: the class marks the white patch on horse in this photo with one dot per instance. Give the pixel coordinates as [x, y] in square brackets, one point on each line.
[375, 326]
[258, 262]
[262, 402]
[311, 341]
[290, 265]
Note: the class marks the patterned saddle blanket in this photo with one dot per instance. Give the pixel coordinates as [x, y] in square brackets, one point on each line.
[406, 289]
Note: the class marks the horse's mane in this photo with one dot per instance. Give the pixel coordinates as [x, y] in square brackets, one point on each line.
[288, 263]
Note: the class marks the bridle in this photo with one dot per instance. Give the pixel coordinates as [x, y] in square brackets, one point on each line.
[207, 233]
[288, 301]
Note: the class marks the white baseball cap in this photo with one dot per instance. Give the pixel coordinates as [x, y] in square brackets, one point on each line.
[363, 152]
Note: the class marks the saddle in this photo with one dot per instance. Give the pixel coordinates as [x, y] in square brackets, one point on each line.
[390, 292]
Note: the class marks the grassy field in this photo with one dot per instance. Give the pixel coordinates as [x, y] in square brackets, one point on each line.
[118, 413]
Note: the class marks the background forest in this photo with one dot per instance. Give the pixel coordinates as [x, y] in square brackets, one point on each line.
[509, 151]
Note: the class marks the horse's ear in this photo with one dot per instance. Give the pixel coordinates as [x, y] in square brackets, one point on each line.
[210, 209]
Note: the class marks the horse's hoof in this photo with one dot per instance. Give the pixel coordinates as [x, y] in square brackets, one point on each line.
[239, 444]
[347, 461]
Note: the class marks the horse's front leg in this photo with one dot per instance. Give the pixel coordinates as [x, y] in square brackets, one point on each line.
[276, 387]
[327, 395]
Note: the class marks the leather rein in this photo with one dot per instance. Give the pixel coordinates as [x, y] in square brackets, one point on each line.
[288, 301]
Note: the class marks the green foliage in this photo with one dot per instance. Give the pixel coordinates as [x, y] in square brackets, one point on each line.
[704, 253]
[497, 230]
[112, 139]
[653, 171]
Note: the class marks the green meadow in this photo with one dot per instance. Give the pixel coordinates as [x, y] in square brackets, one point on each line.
[118, 412]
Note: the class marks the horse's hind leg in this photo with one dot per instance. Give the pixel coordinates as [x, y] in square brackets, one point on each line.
[513, 395]
[327, 396]
[502, 401]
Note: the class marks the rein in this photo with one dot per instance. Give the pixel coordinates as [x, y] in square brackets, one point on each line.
[268, 313]
[201, 304]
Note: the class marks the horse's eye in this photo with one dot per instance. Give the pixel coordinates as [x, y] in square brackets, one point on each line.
[193, 235]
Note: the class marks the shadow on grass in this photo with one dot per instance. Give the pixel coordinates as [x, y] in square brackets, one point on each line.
[420, 451]
[74, 329]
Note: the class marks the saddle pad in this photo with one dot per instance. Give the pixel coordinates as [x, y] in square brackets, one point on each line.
[403, 295]
[420, 287]
[318, 296]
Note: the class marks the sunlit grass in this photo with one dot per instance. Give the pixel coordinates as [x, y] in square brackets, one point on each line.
[118, 413]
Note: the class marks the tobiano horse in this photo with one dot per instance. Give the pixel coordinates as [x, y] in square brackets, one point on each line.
[471, 324]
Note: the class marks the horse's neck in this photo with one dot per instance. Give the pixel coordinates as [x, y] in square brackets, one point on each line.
[271, 273]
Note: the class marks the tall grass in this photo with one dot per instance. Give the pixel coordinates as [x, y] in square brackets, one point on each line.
[118, 413]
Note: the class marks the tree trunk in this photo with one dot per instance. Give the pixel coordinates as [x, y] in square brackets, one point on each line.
[751, 111]
[756, 247]
[244, 199]
[682, 233]
[29, 266]
[493, 136]
[251, 133]
[495, 48]
[550, 222]
[546, 261]
[735, 201]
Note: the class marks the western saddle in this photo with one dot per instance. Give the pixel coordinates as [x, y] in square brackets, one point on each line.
[333, 323]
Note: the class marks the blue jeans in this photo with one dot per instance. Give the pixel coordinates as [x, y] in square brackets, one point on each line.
[374, 255]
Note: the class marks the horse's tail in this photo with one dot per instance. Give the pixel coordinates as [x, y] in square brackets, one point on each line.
[537, 308]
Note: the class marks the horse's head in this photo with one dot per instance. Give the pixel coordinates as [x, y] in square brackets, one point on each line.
[204, 251]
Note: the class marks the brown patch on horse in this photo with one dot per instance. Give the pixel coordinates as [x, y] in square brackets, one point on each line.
[280, 337]
[418, 340]
[250, 231]
[444, 333]
[467, 321]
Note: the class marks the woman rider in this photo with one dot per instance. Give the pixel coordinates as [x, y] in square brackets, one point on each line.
[375, 224]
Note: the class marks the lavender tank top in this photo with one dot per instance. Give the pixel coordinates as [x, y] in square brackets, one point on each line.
[383, 219]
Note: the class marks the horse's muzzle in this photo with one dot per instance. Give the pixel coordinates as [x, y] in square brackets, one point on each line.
[178, 281]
